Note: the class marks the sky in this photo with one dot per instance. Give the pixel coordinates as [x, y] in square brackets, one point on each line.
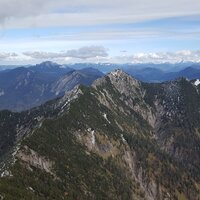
[119, 31]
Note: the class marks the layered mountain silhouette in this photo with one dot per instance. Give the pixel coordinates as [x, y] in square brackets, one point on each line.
[23, 88]
[158, 75]
[116, 139]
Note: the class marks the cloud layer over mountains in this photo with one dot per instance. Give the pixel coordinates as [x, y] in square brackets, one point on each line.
[92, 53]
[83, 31]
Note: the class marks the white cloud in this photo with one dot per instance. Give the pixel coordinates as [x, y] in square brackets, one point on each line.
[5, 55]
[160, 57]
[10, 9]
[95, 54]
[88, 52]
[81, 53]
[48, 13]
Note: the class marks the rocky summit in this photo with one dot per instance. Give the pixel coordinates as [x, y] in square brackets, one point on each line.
[119, 139]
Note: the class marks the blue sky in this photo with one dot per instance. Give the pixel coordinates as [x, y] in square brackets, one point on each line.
[126, 30]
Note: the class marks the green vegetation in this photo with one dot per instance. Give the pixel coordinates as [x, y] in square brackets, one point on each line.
[145, 156]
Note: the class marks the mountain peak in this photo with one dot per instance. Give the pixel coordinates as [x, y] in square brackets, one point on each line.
[122, 82]
[117, 73]
[121, 77]
[48, 64]
[117, 77]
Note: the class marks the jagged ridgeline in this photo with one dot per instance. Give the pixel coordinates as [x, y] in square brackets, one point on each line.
[119, 139]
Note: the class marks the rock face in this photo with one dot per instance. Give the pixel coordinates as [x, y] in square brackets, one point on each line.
[33, 159]
[118, 139]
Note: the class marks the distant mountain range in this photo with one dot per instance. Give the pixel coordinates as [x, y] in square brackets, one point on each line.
[26, 87]
[157, 75]
[150, 72]
[108, 67]
[22, 88]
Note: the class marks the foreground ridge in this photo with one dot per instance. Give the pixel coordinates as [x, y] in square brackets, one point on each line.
[118, 139]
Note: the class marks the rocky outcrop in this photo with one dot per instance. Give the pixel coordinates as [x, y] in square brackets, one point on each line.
[33, 159]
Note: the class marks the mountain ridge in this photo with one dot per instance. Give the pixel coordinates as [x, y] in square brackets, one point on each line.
[24, 88]
[142, 142]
